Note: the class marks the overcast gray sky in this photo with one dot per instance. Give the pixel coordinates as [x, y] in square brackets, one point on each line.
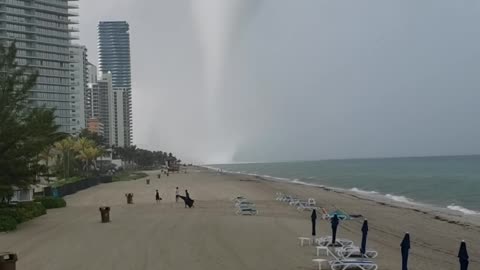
[279, 80]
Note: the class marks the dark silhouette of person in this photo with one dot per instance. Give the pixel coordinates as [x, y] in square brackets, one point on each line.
[157, 196]
[405, 247]
[187, 196]
[335, 221]
[188, 201]
[314, 220]
[177, 192]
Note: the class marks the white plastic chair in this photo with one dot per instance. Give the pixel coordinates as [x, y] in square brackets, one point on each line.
[345, 264]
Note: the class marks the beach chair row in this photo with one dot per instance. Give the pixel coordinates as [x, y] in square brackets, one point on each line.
[301, 205]
[244, 207]
[345, 254]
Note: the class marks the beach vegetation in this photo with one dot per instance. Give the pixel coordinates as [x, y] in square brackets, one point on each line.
[25, 132]
[52, 202]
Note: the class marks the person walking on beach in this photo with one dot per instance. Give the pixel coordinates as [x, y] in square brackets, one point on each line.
[157, 196]
[177, 192]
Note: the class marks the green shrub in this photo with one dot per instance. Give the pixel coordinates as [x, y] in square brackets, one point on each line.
[7, 223]
[52, 202]
[10, 212]
[28, 211]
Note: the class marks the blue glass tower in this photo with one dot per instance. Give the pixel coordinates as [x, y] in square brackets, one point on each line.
[114, 57]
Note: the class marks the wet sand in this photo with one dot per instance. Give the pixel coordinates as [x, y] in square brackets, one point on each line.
[147, 235]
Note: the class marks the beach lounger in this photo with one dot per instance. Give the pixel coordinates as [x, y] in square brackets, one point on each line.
[247, 206]
[354, 252]
[239, 199]
[327, 241]
[244, 203]
[303, 207]
[247, 211]
[345, 264]
[296, 202]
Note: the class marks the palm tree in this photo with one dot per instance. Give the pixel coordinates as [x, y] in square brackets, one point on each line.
[89, 156]
[83, 143]
[65, 147]
[45, 156]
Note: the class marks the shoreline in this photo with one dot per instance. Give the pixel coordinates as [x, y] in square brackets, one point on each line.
[436, 212]
[149, 235]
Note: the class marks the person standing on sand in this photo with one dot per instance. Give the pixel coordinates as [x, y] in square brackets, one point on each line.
[177, 192]
[187, 195]
[157, 196]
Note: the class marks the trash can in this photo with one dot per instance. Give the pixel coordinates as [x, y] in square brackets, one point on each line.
[148, 181]
[105, 214]
[129, 198]
[8, 261]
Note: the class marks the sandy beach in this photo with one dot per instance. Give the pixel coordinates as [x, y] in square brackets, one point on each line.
[148, 236]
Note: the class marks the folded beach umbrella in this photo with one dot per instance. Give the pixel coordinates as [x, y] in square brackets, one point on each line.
[335, 221]
[314, 220]
[463, 256]
[363, 247]
[405, 245]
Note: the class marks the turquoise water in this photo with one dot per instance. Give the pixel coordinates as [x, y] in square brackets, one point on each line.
[452, 182]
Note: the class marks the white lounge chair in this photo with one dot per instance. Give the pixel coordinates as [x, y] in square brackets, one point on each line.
[247, 211]
[244, 203]
[327, 241]
[354, 252]
[239, 198]
[298, 202]
[345, 264]
[303, 207]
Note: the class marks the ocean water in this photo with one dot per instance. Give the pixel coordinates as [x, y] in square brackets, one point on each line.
[452, 182]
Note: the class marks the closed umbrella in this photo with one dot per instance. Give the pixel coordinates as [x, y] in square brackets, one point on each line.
[334, 222]
[363, 247]
[314, 220]
[405, 245]
[463, 256]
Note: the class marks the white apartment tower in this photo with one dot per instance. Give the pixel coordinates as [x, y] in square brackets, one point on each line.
[79, 81]
[43, 33]
[92, 73]
[100, 99]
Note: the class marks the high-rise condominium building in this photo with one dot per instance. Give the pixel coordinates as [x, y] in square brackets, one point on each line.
[114, 57]
[79, 81]
[92, 73]
[42, 31]
[100, 95]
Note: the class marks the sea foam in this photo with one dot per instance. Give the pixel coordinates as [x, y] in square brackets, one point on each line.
[401, 199]
[462, 209]
[361, 191]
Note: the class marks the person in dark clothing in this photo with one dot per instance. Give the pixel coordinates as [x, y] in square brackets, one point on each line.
[188, 201]
[334, 221]
[187, 196]
[177, 192]
[157, 196]
[314, 220]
